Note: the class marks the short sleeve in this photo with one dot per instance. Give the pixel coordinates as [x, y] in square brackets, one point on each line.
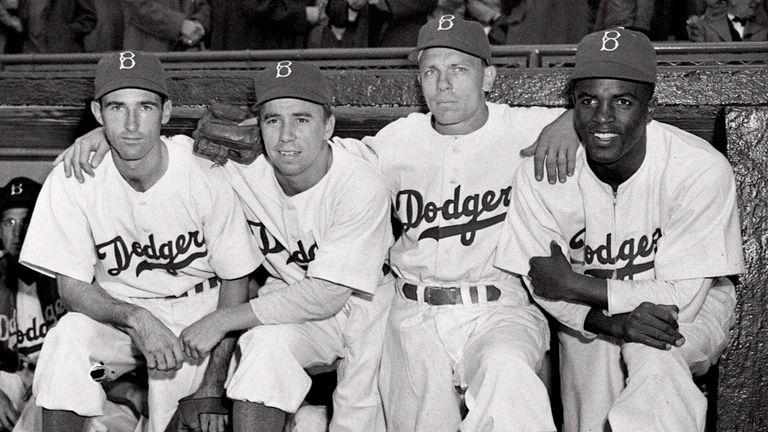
[701, 236]
[59, 239]
[353, 250]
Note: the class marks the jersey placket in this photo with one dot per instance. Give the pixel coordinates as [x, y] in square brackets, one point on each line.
[451, 179]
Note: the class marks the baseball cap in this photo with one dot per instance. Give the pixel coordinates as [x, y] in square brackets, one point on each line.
[616, 53]
[19, 192]
[450, 31]
[129, 69]
[291, 79]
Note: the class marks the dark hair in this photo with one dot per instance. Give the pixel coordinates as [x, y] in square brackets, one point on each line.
[569, 89]
[327, 111]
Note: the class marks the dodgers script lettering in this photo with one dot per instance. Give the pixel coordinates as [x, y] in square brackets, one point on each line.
[165, 256]
[413, 210]
[628, 251]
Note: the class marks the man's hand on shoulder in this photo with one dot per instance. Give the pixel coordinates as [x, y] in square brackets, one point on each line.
[84, 155]
[555, 148]
[160, 347]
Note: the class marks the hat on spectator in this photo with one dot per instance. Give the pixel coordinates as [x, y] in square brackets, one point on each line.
[129, 69]
[450, 31]
[291, 79]
[616, 53]
[19, 192]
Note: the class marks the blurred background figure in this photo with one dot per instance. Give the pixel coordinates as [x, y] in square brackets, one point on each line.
[263, 24]
[108, 34]
[371, 23]
[165, 25]
[10, 27]
[541, 22]
[729, 21]
[56, 26]
[631, 14]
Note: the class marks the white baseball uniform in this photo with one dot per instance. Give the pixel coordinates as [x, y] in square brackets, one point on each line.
[160, 249]
[451, 195]
[338, 231]
[667, 236]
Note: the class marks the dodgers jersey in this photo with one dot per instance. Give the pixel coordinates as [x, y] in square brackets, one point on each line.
[186, 228]
[338, 230]
[676, 218]
[451, 193]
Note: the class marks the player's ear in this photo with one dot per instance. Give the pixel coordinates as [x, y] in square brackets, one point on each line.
[652, 104]
[96, 111]
[167, 108]
[489, 77]
[330, 123]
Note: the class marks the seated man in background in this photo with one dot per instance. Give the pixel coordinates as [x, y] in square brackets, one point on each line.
[29, 308]
[729, 21]
[137, 255]
[650, 229]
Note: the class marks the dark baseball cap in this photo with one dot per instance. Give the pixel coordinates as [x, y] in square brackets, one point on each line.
[616, 53]
[292, 79]
[450, 31]
[129, 69]
[20, 192]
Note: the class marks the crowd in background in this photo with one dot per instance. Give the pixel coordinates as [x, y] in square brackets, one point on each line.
[63, 26]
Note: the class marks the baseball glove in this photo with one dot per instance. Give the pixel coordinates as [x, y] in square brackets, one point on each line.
[186, 418]
[220, 136]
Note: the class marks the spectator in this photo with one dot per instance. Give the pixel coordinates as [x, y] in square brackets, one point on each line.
[165, 25]
[30, 306]
[10, 26]
[541, 22]
[262, 24]
[730, 21]
[631, 14]
[483, 11]
[56, 26]
[108, 34]
[346, 26]
[397, 22]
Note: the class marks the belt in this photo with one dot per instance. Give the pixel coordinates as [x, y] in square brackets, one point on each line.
[438, 296]
[205, 285]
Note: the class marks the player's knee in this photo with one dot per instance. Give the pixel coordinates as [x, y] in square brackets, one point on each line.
[269, 337]
[505, 360]
[71, 327]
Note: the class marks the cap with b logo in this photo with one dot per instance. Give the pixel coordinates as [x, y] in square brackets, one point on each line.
[129, 69]
[20, 192]
[616, 53]
[450, 31]
[290, 79]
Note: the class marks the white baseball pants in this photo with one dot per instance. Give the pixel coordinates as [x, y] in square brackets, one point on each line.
[62, 380]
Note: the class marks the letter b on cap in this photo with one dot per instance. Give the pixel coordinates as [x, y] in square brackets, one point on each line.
[127, 60]
[446, 22]
[283, 69]
[610, 40]
[17, 189]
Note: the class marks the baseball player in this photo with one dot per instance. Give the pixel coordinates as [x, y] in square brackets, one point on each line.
[322, 217]
[457, 322]
[649, 226]
[29, 308]
[136, 255]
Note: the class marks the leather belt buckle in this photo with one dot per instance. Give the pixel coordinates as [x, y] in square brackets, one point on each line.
[439, 296]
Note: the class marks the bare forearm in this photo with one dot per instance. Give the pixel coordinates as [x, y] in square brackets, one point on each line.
[599, 323]
[93, 301]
